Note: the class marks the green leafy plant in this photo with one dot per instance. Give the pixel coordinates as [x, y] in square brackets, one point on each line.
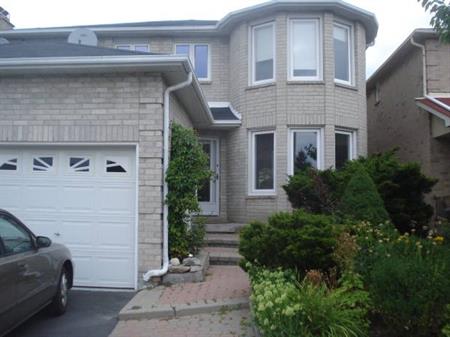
[188, 169]
[312, 190]
[440, 11]
[402, 187]
[297, 240]
[410, 292]
[282, 306]
[361, 200]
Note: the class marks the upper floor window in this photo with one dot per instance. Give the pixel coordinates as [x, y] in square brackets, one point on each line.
[199, 56]
[263, 53]
[343, 51]
[305, 50]
[134, 47]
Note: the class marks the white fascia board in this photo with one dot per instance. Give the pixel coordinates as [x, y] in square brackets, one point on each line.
[425, 107]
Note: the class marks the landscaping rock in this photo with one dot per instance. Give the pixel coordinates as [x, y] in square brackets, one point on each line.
[179, 269]
[174, 262]
[192, 261]
[195, 269]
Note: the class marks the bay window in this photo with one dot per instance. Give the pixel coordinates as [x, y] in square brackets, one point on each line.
[343, 53]
[263, 53]
[345, 147]
[305, 50]
[262, 162]
[305, 149]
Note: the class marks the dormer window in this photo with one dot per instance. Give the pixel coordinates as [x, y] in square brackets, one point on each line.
[200, 57]
[263, 54]
[134, 47]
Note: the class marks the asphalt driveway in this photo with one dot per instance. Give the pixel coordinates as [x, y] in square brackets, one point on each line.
[90, 314]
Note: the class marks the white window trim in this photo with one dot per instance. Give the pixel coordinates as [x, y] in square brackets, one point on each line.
[251, 165]
[353, 150]
[351, 46]
[132, 46]
[290, 54]
[192, 56]
[252, 80]
[320, 146]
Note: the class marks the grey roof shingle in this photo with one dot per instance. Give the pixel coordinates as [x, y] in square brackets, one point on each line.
[168, 23]
[59, 49]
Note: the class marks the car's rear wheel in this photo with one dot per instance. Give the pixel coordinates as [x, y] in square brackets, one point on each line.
[59, 303]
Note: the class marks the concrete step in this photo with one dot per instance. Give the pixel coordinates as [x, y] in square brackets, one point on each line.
[223, 255]
[222, 240]
[226, 228]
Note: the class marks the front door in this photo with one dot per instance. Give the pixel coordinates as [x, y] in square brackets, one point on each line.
[208, 194]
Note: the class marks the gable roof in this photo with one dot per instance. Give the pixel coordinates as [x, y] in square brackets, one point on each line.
[58, 49]
[398, 56]
[212, 27]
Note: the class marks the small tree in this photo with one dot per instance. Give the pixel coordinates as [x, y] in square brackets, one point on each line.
[361, 200]
[440, 11]
[188, 169]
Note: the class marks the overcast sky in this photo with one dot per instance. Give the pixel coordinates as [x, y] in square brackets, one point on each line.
[397, 18]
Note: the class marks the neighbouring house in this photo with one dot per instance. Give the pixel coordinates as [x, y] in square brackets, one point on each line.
[408, 101]
[81, 123]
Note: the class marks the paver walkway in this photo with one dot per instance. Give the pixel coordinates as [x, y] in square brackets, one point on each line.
[223, 283]
[234, 323]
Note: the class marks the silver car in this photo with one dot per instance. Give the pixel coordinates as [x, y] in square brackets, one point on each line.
[34, 273]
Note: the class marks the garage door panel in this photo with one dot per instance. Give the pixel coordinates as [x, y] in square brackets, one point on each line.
[116, 200]
[78, 199]
[41, 198]
[115, 235]
[92, 212]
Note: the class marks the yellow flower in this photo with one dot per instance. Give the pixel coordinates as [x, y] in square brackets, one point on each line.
[439, 239]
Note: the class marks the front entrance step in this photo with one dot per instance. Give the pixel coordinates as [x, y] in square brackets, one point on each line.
[223, 255]
[227, 228]
[222, 240]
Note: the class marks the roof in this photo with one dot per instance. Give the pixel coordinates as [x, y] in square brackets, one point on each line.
[438, 106]
[224, 114]
[211, 27]
[398, 56]
[58, 49]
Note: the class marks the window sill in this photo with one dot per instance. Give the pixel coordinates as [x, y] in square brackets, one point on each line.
[206, 82]
[259, 86]
[261, 196]
[304, 82]
[346, 86]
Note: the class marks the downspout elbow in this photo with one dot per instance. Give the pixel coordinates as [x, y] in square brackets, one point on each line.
[166, 129]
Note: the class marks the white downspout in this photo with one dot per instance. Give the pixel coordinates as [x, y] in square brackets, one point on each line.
[424, 63]
[166, 129]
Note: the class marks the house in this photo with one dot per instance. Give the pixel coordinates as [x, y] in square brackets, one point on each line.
[82, 141]
[408, 101]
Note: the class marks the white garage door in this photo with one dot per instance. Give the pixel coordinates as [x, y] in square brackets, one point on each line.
[83, 197]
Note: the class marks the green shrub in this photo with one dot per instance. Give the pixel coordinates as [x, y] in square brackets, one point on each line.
[361, 200]
[284, 307]
[188, 169]
[410, 292]
[402, 188]
[312, 190]
[297, 240]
